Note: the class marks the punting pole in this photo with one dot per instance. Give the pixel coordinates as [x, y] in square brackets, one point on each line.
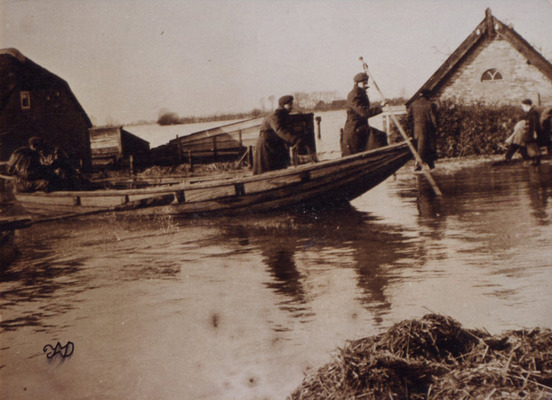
[425, 169]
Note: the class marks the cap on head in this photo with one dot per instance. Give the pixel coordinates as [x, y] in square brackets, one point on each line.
[36, 142]
[361, 77]
[527, 102]
[285, 100]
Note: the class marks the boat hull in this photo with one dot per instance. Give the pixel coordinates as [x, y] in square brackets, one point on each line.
[327, 182]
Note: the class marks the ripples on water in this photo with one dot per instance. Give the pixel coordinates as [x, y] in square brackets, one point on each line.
[240, 308]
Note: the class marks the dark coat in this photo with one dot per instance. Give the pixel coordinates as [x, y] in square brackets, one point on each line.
[532, 128]
[422, 118]
[272, 147]
[357, 129]
[545, 127]
[29, 174]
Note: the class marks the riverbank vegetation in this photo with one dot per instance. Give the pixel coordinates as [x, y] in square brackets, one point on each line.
[435, 358]
[471, 129]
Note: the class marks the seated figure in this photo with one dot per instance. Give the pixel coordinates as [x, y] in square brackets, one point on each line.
[28, 172]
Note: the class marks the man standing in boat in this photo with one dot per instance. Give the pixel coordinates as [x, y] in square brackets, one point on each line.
[357, 130]
[422, 117]
[275, 138]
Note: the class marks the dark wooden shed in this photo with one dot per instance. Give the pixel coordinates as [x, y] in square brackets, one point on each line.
[35, 102]
[114, 147]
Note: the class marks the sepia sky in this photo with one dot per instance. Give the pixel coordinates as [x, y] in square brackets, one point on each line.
[127, 60]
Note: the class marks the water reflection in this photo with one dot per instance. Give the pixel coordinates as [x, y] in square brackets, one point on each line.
[330, 240]
[539, 180]
[59, 261]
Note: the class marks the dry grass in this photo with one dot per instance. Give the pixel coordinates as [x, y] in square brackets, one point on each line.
[435, 358]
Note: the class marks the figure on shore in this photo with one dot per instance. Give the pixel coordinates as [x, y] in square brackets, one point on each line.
[275, 139]
[545, 138]
[532, 131]
[515, 142]
[423, 120]
[356, 133]
[29, 173]
[526, 135]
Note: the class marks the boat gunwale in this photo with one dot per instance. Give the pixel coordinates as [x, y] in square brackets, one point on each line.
[232, 180]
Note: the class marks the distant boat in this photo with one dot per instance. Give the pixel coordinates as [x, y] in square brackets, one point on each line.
[327, 182]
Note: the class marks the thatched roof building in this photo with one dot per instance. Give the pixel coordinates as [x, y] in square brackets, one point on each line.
[35, 102]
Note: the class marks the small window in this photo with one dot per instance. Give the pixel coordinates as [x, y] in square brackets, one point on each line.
[25, 100]
[491, 75]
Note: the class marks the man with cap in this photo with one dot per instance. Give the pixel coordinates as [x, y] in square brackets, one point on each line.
[275, 138]
[357, 130]
[64, 175]
[422, 118]
[28, 172]
[532, 131]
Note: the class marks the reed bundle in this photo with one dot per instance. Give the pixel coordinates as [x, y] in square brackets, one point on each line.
[435, 358]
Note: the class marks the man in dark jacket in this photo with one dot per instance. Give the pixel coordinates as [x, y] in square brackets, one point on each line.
[357, 130]
[275, 138]
[422, 118]
[28, 172]
[64, 175]
[545, 139]
[532, 131]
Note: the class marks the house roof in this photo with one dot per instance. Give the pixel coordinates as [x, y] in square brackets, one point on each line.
[17, 71]
[488, 29]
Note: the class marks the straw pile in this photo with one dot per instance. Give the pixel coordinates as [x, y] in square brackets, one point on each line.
[435, 358]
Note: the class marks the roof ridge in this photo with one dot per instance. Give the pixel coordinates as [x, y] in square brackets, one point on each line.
[12, 51]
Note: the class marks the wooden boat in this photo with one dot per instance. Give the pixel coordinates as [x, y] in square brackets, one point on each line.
[325, 182]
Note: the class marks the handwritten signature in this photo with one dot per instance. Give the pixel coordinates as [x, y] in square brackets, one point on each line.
[63, 351]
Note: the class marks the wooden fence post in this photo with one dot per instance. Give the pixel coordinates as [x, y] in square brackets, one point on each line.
[318, 119]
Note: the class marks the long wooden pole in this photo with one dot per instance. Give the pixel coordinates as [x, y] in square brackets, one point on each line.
[425, 169]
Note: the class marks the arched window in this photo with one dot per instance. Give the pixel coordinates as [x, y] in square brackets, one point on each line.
[491, 75]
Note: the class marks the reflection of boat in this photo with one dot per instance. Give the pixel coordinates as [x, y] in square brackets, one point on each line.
[326, 182]
[7, 247]
[8, 226]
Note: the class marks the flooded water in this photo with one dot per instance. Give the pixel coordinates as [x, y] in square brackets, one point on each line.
[241, 308]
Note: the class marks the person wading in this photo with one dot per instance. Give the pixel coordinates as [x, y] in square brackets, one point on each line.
[532, 131]
[422, 118]
[357, 130]
[275, 139]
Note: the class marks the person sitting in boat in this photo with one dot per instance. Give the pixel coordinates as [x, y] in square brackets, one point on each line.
[275, 138]
[29, 173]
[57, 160]
[357, 135]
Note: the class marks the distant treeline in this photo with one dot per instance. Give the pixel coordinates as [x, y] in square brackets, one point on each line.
[470, 129]
[172, 118]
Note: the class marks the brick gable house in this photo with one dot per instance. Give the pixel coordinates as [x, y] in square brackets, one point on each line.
[494, 65]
